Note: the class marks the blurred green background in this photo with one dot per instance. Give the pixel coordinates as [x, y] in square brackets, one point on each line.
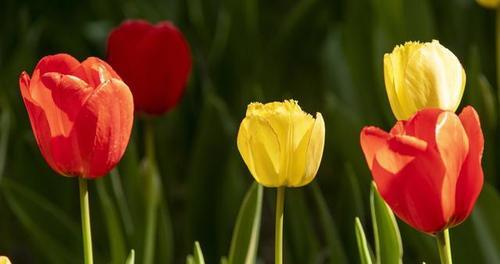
[326, 54]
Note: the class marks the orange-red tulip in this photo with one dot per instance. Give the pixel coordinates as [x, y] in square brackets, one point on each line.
[153, 60]
[428, 169]
[81, 114]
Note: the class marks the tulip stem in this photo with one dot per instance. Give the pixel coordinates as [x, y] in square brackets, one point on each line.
[443, 242]
[497, 38]
[85, 213]
[278, 244]
[152, 195]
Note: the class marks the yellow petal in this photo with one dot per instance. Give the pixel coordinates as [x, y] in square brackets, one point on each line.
[395, 65]
[314, 150]
[259, 147]
[302, 127]
[4, 260]
[422, 75]
[493, 4]
[274, 139]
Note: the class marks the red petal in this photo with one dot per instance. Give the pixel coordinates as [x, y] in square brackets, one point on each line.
[61, 63]
[154, 61]
[166, 63]
[404, 174]
[95, 71]
[103, 127]
[453, 146]
[123, 50]
[422, 125]
[68, 95]
[470, 180]
[38, 121]
[372, 139]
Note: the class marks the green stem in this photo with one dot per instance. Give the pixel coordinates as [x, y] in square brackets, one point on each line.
[85, 213]
[278, 244]
[497, 39]
[443, 243]
[152, 198]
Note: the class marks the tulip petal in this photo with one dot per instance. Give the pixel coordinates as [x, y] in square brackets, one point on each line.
[164, 43]
[95, 71]
[372, 139]
[390, 85]
[453, 146]
[38, 120]
[103, 127]
[61, 63]
[470, 180]
[395, 65]
[301, 126]
[314, 152]
[263, 150]
[434, 78]
[68, 93]
[403, 172]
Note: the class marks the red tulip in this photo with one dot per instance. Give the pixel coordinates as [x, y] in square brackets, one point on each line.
[81, 114]
[428, 169]
[154, 60]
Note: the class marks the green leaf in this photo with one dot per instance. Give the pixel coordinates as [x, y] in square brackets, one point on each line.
[245, 239]
[39, 217]
[131, 257]
[113, 223]
[5, 122]
[486, 219]
[363, 247]
[198, 254]
[388, 246]
[334, 244]
[121, 200]
[165, 234]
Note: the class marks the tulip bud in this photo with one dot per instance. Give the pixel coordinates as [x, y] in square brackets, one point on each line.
[153, 60]
[281, 144]
[422, 75]
[81, 114]
[428, 169]
[492, 4]
[4, 260]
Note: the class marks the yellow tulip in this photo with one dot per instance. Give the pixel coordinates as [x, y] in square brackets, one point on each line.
[493, 4]
[4, 260]
[422, 75]
[281, 144]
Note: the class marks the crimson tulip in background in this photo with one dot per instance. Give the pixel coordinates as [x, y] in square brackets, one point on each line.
[428, 169]
[81, 114]
[153, 60]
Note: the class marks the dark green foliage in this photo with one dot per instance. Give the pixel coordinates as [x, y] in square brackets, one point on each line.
[326, 54]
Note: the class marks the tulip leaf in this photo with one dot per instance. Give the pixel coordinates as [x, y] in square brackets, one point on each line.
[245, 239]
[121, 200]
[388, 245]
[113, 223]
[131, 257]
[5, 122]
[300, 227]
[198, 254]
[39, 216]
[165, 234]
[486, 219]
[334, 244]
[363, 247]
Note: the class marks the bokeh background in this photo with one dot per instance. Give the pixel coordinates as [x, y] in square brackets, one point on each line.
[326, 54]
